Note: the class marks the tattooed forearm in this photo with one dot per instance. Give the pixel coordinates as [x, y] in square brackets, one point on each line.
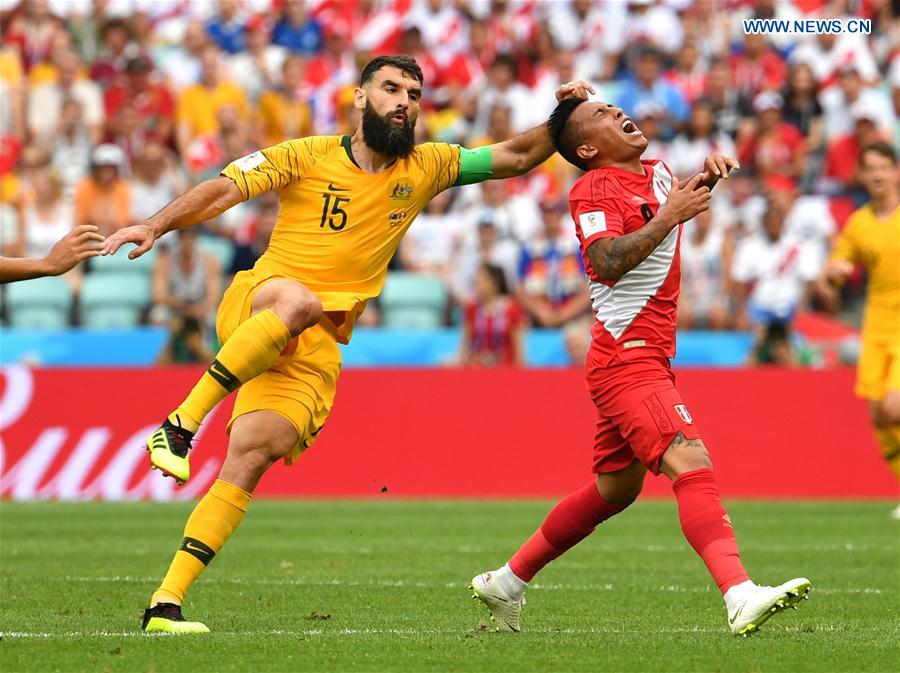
[612, 258]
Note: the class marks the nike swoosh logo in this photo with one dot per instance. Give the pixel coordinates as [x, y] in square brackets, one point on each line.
[192, 547]
[332, 188]
[732, 620]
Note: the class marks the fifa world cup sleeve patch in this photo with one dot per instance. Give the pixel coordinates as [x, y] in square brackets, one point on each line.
[251, 161]
[592, 223]
[474, 165]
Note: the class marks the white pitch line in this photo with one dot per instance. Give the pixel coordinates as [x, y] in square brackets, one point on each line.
[669, 588]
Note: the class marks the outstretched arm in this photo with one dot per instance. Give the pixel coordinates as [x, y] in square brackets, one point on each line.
[207, 200]
[612, 258]
[523, 152]
[79, 244]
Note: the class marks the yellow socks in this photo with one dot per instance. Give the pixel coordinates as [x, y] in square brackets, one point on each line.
[212, 522]
[250, 351]
[889, 439]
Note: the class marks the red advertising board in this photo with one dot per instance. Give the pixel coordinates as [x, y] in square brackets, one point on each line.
[78, 433]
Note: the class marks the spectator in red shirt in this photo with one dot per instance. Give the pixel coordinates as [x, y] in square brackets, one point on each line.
[469, 68]
[759, 68]
[841, 160]
[117, 38]
[773, 147]
[493, 326]
[689, 73]
[32, 28]
[411, 43]
[152, 100]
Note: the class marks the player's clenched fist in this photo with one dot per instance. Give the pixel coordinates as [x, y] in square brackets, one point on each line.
[686, 200]
[139, 234]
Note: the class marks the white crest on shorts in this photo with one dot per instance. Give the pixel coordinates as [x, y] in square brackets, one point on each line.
[251, 161]
[682, 411]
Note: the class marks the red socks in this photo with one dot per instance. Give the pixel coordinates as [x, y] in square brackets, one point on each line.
[703, 519]
[572, 520]
[706, 526]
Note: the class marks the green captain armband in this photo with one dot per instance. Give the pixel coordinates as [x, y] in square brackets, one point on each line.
[474, 166]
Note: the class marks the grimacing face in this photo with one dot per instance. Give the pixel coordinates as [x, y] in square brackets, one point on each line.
[391, 91]
[605, 130]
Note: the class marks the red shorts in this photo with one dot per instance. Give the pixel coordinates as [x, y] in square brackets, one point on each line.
[640, 412]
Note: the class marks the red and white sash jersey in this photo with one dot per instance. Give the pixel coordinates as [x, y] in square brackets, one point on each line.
[636, 314]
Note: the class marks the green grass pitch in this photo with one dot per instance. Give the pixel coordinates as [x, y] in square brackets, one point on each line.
[381, 586]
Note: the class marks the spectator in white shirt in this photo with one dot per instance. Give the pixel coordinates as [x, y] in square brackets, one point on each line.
[827, 53]
[259, 67]
[432, 238]
[852, 92]
[487, 247]
[808, 218]
[504, 88]
[700, 140]
[649, 22]
[706, 253]
[71, 153]
[515, 217]
[595, 31]
[773, 272]
[182, 66]
[156, 181]
[46, 100]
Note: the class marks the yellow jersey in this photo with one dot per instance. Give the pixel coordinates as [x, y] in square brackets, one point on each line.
[200, 105]
[281, 118]
[875, 243]
[338, 226]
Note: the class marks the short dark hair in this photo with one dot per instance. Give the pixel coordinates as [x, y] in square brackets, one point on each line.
[505, 60]
[564, 136]
[880, 147]
[406, 64]
[115, 24]
[498, 276]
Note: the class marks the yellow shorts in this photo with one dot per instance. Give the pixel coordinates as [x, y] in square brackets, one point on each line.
[879, 369]
[301, 384]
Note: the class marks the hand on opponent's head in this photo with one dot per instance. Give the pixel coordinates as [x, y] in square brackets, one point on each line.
[575, 89]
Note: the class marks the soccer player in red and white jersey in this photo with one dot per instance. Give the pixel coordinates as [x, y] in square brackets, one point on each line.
[628, 213]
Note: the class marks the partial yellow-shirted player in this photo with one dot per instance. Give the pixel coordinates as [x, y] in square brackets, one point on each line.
[871, 238]
[345, 203]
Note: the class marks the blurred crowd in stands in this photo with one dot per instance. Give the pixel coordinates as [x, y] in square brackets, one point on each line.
[111, 108]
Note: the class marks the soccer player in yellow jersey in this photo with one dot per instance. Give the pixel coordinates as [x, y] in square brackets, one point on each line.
[345, 204]
[871, 237]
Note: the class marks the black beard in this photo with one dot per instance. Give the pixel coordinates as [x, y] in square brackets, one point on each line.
[384, 137]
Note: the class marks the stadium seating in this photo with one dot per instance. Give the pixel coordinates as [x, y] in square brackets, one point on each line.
[413, 301]
[43, 303]
[220, 248]
[120, 264]
[114, 300]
